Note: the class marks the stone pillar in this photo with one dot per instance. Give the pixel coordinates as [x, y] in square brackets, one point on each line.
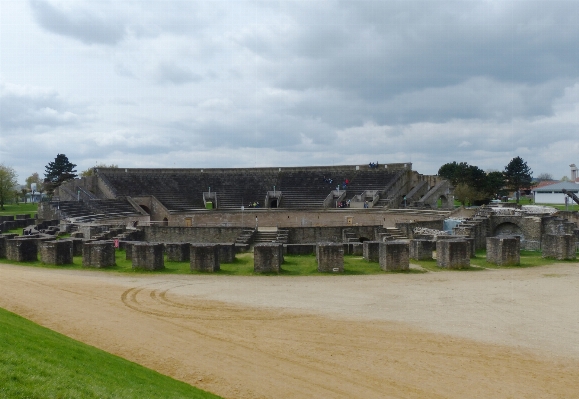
[560, 247]
[3, 240]
[227, 253]
[330, 257]
[422, 249]
[98, 254]
[371, 251]
[267, 257]
[57, 252]
[148, 256]
[177, 251]
[22, 250]
[77, 244]
[504, 251]
[204, 257]
[394, 255]
[129, 249]
[453, 254]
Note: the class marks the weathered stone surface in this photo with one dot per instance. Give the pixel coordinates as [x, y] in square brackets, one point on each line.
[330, 257]
[57, 252]
[22, 250]
[77, 244]
[504, 251]
[559, 246]
[148, 256]
[177, 251]
[394, 255]
[267, 257]
[421, 249]
[371, 251]
[204, 257]
[98, 254]
[227, 253]
[453, 254]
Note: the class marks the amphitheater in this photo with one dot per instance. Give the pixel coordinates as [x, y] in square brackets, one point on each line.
[500, 333]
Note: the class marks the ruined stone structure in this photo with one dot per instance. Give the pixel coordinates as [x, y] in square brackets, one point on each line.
[267, 258]
[56, 252]
[452, 254]
[371, 251]
[98, 254]
[148, 256]
[504, 251]
[22, 249]
[204, 257]
[330, 257]
[177, 251]
[226, 253]
[421, 249]
[559, 246]
[394, 255]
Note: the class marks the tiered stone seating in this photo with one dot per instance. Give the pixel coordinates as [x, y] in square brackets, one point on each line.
[88, 211]
[304, 189]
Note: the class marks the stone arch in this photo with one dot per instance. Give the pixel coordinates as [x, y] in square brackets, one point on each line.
[165, 222]
[362, 239]
[443, 202]
[508, 229]
[273, 203]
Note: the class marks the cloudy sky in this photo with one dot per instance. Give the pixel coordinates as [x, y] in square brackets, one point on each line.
[264, 83]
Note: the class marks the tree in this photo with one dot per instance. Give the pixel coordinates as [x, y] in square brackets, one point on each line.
[517, 175]
[7, 184]
[90, 171]
[545, 177]
[60, 170]
[470, 182]
[495, 183]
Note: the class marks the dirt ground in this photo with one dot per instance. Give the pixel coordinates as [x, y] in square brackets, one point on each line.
[510, 333]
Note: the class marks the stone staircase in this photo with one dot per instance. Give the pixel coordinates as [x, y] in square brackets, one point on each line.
[350, 237]
[266, 235]
[393, 233]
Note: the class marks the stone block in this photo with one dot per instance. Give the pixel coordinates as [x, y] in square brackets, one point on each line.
[504, 250]
[394, 255]
[57, 252]
[77, 244]
[22, 250]
[421, 249]
[371, 251]
[559, 246]
[453, 254]
[227, 253]
[148, 256]
[330, 257]
[204, 257]
[267, 257]
[177, 251]
[98, 254]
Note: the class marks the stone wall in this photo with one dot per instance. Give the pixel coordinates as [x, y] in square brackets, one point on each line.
[560, 246]
[452, 254]
[191, 234]
[504, 251]
[56, 252]
[22, 249]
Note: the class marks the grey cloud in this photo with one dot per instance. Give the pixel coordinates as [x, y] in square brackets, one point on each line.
[89, 27]
[175, 74]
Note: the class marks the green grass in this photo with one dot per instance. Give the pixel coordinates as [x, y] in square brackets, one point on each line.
[19, 209]
[36, 362]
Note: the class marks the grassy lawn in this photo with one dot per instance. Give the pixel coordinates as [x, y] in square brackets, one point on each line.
[19, 209]
[36, 362]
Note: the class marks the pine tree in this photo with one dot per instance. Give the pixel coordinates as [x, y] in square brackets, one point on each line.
[518, 175]
[60, 170]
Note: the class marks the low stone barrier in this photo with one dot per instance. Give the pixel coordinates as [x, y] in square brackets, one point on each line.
[371, 251]
[299, 249]
[57, 252]
[227, 253]
[394, 255]
[98, 254]
[267, 257]
[504, 251]
[560, 246]
[204, 257]
[330, 257]
[148, 256]
[177, 251]
[22, 250]
[421, 249]
[453, 254]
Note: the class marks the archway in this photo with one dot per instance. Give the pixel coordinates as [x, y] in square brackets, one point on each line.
[145, 208]
[443, 202]
[165, 222]
[273, 203]
[508, 229]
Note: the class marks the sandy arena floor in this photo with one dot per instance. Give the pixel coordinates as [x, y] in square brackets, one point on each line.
[491, 334]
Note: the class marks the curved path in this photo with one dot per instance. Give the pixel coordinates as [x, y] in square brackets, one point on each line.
[496, 333]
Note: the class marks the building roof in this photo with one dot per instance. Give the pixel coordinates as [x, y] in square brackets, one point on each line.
[567, 185]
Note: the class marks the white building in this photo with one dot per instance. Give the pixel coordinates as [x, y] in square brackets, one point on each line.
[553, 193]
